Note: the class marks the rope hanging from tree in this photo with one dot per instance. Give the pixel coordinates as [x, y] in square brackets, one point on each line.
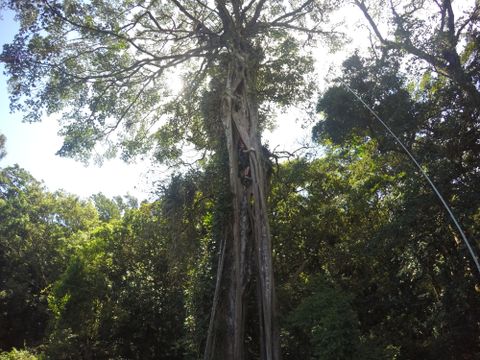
[435, 190]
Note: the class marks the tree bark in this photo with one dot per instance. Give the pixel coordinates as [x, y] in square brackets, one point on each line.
[248, 258]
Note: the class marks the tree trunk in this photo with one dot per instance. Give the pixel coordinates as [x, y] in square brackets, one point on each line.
[247, 259]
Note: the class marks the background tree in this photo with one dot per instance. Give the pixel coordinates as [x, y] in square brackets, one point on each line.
[121, 295]
[131, 286]
[437, 122]
[106, 208]
[436, 40]
[38, 232]
[330, 249]
[102, 64]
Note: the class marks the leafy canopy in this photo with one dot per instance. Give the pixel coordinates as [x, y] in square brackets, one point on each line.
[113, 68]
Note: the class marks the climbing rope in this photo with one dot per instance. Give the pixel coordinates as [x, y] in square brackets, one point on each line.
[440, 197]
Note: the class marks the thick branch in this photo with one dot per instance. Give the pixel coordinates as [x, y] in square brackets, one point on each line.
[258, 11]
[450, 18]
[372, 23]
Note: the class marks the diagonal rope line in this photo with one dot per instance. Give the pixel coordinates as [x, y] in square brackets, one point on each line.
[440, 197]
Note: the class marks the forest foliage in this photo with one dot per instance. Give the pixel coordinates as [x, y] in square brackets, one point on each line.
[367, 263]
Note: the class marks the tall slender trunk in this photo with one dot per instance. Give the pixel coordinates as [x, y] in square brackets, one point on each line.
[248, 257]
